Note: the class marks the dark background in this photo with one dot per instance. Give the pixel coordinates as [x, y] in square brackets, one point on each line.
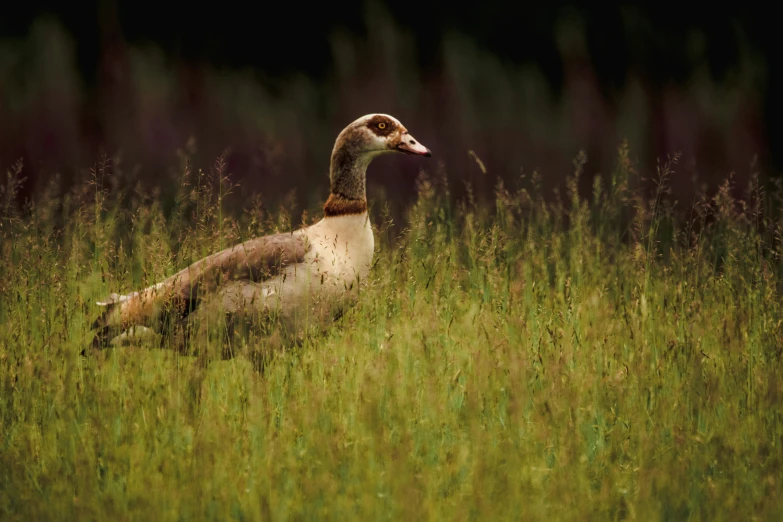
[524, 85]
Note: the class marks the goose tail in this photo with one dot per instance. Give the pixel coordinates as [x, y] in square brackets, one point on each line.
[124, 311]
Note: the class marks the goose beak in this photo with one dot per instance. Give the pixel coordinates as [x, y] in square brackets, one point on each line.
[409, 145]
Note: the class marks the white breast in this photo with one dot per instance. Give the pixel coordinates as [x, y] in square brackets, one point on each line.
[340, 252]
[341, 247]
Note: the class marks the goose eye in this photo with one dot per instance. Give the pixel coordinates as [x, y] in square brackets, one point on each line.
[381, 125]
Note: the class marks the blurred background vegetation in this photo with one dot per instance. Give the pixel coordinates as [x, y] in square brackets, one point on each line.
[523, 87]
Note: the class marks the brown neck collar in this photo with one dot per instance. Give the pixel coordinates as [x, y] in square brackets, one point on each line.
[339, 205]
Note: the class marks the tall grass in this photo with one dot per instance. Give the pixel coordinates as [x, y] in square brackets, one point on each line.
[606, 358]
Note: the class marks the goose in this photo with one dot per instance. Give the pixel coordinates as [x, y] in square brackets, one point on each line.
[299, 279]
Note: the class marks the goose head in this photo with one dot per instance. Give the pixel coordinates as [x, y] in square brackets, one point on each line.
[374, 134]
[362, 140]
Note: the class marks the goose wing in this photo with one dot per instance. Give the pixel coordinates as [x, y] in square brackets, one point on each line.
[255, 260]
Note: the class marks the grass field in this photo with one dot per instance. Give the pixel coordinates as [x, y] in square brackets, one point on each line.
[615, 357]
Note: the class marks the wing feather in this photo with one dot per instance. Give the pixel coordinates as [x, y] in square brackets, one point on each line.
[254, 260]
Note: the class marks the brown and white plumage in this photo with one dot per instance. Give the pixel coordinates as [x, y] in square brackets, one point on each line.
[301, 278]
